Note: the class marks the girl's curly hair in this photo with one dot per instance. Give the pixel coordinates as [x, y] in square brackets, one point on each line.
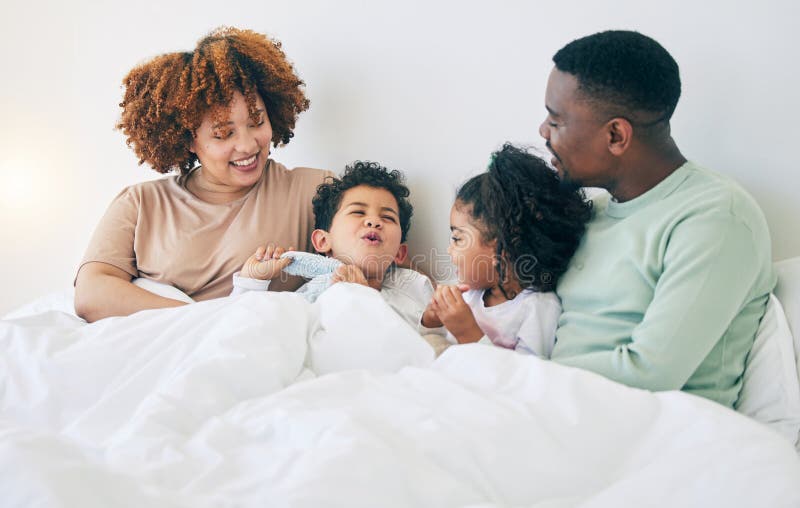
[167, 97]
[537, 223]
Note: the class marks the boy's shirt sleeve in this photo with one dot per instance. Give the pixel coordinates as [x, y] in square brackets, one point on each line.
[410, 294]
[245, 284]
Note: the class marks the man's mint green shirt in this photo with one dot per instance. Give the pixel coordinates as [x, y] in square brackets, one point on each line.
[666, 290]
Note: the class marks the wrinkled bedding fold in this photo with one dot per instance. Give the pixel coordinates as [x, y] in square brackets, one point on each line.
[265, 399]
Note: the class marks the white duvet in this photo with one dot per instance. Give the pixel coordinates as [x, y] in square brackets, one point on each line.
[266, 400]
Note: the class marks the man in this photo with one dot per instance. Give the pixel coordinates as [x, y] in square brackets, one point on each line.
[673, 275]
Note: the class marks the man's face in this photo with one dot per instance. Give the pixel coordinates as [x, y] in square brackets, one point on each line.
[366, 231]
[575, 135]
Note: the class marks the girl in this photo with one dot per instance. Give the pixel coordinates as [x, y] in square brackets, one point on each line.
[513, 229]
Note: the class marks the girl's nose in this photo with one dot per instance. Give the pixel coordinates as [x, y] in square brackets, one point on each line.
[372, 223]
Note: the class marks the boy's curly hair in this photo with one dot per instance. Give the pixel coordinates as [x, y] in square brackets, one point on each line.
[166, 98]
[329, 194]
[520, 202]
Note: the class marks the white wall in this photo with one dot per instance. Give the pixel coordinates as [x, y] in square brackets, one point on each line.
[429, 88]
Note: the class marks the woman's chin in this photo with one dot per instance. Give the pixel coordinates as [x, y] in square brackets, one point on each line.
[246, 178]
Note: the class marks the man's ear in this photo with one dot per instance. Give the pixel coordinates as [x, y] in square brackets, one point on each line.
[320, 241]
[402, 254]
[620, 135]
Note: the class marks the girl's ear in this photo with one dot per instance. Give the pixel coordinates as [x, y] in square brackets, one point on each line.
[496, 256]
[320, 241]
[401, 255]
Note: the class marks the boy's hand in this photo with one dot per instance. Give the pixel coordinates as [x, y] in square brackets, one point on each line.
[449, 305]
[349, 273]
[265, 264]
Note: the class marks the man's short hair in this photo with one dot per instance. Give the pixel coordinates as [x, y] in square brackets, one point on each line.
[329, 194]
[624, 69]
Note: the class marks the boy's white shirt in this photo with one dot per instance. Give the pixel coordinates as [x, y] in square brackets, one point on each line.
[527, 323]
[406, 291]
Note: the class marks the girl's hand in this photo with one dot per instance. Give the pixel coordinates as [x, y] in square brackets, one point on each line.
[349, 273]
[265, 264]
[450, 307]
[430, 319]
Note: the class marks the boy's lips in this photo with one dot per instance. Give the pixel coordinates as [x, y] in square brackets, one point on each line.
[373, 238]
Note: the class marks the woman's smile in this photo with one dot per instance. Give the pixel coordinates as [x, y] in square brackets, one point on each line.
[246, 165]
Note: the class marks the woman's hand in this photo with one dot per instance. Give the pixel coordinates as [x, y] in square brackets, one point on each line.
[349, 273]
[266, 263]
[449, 306]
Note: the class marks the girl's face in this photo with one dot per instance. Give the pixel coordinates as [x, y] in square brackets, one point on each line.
[474, 259]
[233, 153]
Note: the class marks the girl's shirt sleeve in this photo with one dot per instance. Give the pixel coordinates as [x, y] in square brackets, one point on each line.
[537, 332]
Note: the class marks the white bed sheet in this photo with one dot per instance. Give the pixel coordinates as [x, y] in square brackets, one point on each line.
[268, 400]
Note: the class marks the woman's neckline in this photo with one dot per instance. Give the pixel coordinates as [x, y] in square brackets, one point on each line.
[183, 183]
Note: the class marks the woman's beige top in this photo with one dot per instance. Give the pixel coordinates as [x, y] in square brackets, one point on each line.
[161, 231]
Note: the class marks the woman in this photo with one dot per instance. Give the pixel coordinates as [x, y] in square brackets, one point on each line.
[209, 115]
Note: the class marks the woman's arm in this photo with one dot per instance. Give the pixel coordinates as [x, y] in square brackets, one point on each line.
[103, 290]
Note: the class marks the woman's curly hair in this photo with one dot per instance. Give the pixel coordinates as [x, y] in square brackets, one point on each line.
[167, 97]
[537, 222]
[329, 194]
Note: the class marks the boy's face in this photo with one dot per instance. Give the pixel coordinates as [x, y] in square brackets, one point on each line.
[365, 231]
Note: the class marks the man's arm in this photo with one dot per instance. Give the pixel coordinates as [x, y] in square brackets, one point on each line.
[710, 266]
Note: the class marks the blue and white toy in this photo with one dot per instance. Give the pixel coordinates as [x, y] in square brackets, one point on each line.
[311, 266]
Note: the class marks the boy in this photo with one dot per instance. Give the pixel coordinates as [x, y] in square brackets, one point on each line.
[361, 220]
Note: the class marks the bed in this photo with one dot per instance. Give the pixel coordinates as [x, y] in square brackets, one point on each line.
[267, 400]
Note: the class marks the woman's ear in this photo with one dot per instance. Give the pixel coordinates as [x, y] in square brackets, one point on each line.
[402, 254]
[320, 241]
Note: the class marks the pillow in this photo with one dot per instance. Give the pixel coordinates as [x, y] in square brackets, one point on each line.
[162, 289]
[770, 386]
[788, 292]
